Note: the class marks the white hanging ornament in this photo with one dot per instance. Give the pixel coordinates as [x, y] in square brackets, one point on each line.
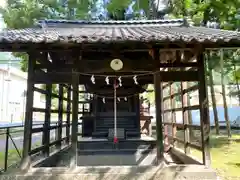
[93, 79]
[103, 100]
[125, 99]
[107, 80]
[120, 81]
[135, 80]
[118, 99]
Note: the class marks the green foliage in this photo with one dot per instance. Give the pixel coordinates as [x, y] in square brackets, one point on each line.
[141, 5]
[117, 8]
[221, 11]
[237, 74]
[116, 5]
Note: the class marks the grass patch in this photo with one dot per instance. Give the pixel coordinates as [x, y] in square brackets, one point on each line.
[13, 158]
[225, 156]
[224, 153]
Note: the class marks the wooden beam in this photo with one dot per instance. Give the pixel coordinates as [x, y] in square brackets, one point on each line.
[179, 76]
[136, 101]
[75, 84]
[135, 70]
[25, 163]
[177, 64]
[60, 115]
[166, 116]
[96, 110]
[65, 77]
[184, 100]
[204, 112]
[173, 114]
[43, 59]
[159, 120]
[68, 113]
[47, 121]
[43, 47]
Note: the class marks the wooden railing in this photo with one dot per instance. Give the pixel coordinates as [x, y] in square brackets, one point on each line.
[11, 155]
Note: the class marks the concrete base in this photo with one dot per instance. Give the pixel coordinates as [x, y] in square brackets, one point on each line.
[183, 157]
[162, 171]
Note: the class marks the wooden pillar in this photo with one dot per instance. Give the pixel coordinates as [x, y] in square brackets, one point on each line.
[130, 102]
[184, 100]
[60, 115]
[204, 112]
[75, 83]
[95, 111]
[46, 126]
[25, 163]
[68, 113]
[137, 105]
[158, 106]
[173, 114]
[166, 115]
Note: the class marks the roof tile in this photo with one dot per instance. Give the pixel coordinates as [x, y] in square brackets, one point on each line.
[57, 31]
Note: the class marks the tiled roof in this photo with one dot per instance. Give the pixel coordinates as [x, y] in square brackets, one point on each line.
[161, 31]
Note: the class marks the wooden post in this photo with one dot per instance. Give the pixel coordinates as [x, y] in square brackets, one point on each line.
[75, 83]
[25, 163]
[46, 127]
[185, 116]
[68, 113]
[95, 111]
[158, 105]
[166, 116]
[204, 112]
[173, 114]
[60, 116]
[137, 105]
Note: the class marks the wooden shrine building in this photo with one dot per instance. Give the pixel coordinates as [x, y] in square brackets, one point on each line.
[79, 53]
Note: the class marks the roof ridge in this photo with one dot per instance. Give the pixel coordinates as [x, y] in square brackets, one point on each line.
[108, 22]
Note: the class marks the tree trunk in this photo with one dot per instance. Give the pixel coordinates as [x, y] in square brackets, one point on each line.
[238, 89]
[214, 104]
[151, 13]
[224, 98]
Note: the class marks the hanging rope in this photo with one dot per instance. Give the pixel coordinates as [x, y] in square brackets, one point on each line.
[115, 76]
[115, 139]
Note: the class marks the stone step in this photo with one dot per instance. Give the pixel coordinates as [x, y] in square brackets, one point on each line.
[127, 121]
[118, 125]
[112, 124]
[142, 150]
[112, 119]
[107, 128]
[114, 159]
[103, 133]
[100, 133]
[131, 134]
[84, 145]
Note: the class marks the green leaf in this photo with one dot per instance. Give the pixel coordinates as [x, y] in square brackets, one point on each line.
[141, 5]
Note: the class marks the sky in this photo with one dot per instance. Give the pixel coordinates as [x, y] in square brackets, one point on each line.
[2, 3]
